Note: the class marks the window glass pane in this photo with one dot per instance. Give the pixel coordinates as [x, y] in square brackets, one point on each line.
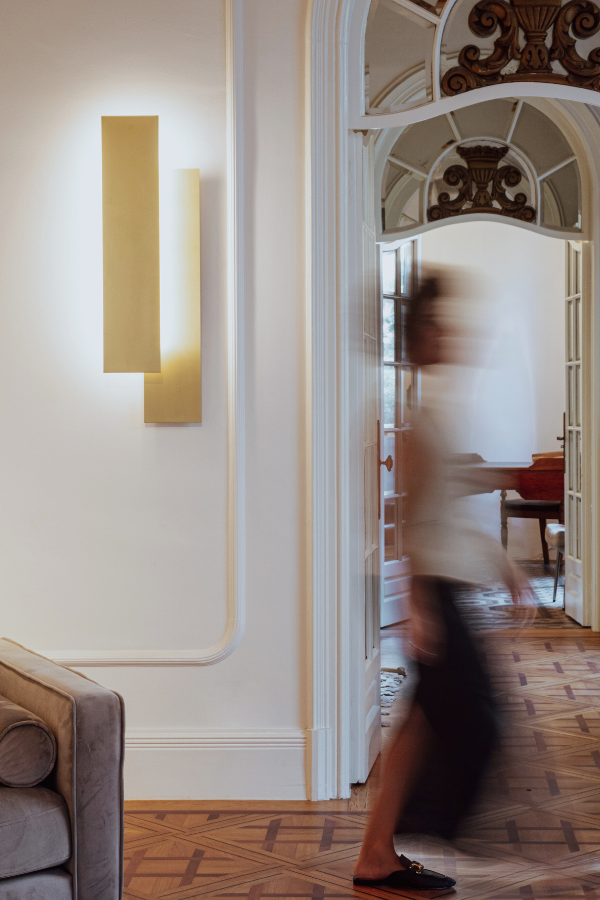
[388, 271]
[389, 396]
[420, 144]
[393, 524]
[406, 254]
[561, 200]
[570, 397]
[402, 352]
[407, 392]
[572, 470]
[398, 463]
[388, 62]
[540, 139]
[570, 335]
[570, 274]
[389, 330]
[492, 118]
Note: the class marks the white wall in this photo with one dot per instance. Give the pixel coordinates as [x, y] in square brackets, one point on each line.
[515, 399]
[112, 534]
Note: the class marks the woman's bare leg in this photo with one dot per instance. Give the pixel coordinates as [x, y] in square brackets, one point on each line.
[377, 858]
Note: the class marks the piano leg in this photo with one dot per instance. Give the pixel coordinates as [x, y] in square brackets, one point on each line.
[503, 520]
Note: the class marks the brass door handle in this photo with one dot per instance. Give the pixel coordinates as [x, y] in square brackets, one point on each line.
[388, 463]
[563, 435]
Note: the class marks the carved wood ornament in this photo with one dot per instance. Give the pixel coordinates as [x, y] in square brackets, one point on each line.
[479, 184]
[577, 19]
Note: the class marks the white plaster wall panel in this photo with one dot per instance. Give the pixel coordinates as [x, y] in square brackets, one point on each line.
[275, 305]
[106, 523]
[113, 533]
[514, 403]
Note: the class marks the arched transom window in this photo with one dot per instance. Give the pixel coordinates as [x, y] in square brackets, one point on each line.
[502, 158]
[418, 51]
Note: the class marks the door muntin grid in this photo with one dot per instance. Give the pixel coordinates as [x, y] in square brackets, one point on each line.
[400, 385]
[573, 438]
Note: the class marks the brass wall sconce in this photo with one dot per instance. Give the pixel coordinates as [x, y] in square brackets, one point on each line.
[132, 298]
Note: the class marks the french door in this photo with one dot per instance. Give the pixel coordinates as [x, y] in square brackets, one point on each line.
[573, 433]
[398, 266]
[369, 735]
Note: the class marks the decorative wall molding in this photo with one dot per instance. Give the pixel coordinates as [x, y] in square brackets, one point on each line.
[577, 19]
[218, 739]
[321, 366]
[480, 184]
[236, 564]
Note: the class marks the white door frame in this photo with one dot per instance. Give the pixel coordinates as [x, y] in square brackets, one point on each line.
[334, 374]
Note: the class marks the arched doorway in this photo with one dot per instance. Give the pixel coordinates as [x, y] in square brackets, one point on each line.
[341, 181]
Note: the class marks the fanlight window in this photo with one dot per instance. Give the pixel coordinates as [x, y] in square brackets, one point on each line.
[418, 51]
[501, 158]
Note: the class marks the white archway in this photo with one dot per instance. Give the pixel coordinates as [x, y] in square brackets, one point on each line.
[334, 363]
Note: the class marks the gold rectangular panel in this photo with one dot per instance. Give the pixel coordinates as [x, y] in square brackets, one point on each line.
[175, 395]
[131, 243]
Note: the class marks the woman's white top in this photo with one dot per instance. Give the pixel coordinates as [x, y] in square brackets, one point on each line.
[437, 537]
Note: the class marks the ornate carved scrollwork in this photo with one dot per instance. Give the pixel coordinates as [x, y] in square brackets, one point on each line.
[479, 184]
[576, 20]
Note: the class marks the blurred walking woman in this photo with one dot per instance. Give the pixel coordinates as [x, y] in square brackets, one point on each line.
[435, 764]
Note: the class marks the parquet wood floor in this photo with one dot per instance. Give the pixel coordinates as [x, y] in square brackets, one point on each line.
[533, 835]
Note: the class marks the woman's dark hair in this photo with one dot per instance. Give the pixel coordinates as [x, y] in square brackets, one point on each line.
[419, 308]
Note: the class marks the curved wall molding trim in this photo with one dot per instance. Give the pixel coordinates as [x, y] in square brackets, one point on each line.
[235, 397]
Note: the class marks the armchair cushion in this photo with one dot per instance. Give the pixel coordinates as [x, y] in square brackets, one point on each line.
[27, 746]
[35, 830]
[52, 884]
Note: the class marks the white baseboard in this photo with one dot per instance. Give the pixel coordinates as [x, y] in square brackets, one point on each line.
[203, 764]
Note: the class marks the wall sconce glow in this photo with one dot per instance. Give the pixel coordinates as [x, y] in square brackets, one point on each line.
[131, 244]
[132, 277]
[175, 395]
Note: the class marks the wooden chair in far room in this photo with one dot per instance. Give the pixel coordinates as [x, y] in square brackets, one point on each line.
[542, 497]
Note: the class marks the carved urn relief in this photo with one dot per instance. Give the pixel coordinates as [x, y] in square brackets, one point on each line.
[536, 19]
[481, 184]
[576, 20]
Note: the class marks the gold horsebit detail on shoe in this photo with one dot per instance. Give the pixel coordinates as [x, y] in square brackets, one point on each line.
[416, 867]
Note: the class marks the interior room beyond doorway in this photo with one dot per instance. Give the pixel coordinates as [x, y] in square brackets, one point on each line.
[512, 397]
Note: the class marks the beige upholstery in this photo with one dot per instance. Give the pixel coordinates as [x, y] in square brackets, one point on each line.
[555, 536]
[87, 721]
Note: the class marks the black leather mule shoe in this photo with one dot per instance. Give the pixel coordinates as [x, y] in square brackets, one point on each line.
[414, 876]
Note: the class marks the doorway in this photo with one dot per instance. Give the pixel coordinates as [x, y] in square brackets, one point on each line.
[342, 130]
[457, 185]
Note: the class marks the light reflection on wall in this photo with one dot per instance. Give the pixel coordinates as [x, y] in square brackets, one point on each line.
[77, 167]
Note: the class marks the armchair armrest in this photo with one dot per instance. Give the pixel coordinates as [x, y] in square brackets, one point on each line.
[88, 723]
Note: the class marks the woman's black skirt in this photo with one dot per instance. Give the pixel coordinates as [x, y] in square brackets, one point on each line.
[456, 698]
